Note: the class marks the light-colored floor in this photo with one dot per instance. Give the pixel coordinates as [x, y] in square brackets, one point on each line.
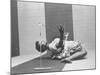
[26, 64]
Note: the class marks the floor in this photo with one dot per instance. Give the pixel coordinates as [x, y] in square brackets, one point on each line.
[29, 65]
[87, 63]
[22, 59]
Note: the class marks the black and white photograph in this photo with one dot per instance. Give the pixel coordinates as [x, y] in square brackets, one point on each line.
[52, 37]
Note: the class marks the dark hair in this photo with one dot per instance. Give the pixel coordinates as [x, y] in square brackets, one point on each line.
[40, 47]
[43, 47]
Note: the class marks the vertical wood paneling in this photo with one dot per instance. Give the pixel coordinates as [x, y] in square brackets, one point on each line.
[30, 15]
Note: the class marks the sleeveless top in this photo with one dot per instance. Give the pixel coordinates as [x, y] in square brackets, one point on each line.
[54, 43]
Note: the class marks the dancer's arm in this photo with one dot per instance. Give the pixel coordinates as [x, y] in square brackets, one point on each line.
[61, 31]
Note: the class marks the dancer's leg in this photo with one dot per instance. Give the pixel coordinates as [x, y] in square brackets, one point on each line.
[78, 54]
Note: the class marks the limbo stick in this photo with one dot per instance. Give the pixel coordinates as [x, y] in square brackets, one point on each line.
[41, 67]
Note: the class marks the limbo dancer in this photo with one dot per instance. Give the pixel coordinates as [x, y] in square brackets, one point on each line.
[62, 48]
[55, 46]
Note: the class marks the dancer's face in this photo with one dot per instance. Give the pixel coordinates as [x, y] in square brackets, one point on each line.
[43, 46]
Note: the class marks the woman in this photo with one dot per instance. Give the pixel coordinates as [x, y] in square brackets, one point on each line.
[63, 49]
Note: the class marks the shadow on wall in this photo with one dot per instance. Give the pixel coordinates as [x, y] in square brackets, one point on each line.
[57, 14]
[14, 29]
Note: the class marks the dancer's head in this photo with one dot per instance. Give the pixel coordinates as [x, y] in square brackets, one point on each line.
[41, 46]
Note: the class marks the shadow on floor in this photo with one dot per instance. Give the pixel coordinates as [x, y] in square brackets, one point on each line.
[82, 58]
[28, 67]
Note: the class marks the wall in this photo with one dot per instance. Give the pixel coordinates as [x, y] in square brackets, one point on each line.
[57, 14]
[84, 25]
[14, 29]
[30, 14]
[74, 18]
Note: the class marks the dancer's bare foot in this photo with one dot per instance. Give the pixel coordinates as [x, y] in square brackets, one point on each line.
[59, 57]
[53, 57]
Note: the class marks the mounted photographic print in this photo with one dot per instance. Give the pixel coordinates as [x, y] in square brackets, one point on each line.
[52, 37]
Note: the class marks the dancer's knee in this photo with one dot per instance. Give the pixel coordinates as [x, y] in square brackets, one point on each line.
[84, 53]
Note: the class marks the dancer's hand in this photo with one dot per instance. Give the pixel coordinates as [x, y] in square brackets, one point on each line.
[61, 30]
